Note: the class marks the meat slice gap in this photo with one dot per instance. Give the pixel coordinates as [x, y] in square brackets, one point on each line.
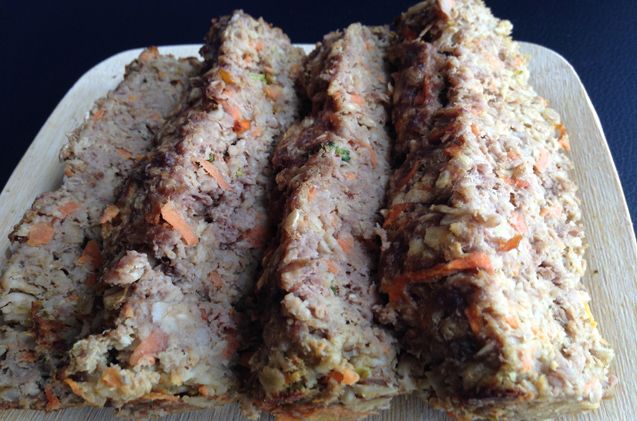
[483, 249]
[321, 353]
[189, 234]
[47, 288]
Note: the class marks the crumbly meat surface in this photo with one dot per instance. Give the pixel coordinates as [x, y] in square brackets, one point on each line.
[484, 247]
[47, 287]
[189, 234]
[322, 355]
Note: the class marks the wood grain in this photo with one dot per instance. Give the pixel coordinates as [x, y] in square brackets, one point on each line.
[612, 255]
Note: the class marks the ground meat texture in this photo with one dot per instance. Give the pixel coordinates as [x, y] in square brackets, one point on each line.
[484, 248]
[48, 283]
[322, 354]
[189, 233]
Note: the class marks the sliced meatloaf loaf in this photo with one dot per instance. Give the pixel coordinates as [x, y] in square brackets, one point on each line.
[188, 233]
[48, 284]
[484, 250]
[322, 355]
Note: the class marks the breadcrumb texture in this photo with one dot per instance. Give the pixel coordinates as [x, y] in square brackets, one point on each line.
[48, 284]
[484, 247]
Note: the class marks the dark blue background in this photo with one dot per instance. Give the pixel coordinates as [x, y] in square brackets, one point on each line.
[46, 46]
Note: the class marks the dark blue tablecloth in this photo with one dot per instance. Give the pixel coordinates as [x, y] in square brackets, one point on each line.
[46, 46]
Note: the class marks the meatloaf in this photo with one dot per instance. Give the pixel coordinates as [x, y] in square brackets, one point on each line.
[48, 284]
[322, 355]
[484, 247]
[188, 234]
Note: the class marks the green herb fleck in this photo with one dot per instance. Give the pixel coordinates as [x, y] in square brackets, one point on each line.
[211, 158]
[333, 290]
[259, 77]
[342, 153]
[239, 172]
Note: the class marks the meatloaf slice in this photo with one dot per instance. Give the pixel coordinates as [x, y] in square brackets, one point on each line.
[189, 233]
[322, 355]
[48, 283]
[484, 250]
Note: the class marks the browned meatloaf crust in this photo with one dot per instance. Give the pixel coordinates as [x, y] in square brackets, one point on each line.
[189, 233]
[322, 355]
[48, 283]
[484, 249]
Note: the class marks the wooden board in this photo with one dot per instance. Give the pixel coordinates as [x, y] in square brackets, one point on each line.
[612, 255]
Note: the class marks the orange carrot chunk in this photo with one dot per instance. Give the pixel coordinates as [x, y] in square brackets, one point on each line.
[150, 346]
[69, 208]
[170, 215]
[52, 401]
[91, 255]
[110, 212]
[357, 99]
[472, 261]
[394, 212]
[214, 173]
[510, 244]
[346, 242]
[39, 234]
[345, 376]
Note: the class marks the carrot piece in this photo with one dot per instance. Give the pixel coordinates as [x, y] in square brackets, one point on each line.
[510, 244]
[149, 54]
[542, 161]
[39, 234]
[311, 192]
[256, 235]
[170, 215]
[473, 261]
[475, 131]
[273, 92]
[345, 376]
[563, 137]
[240, 124]
[332, 267]
[394, 212]
[407, 177]
[453, 150]
[357, 99]
[519, 223]
[512, 321]
[110, 212]
[112, 378]
[97, 115]
[516, 182]
[226, 76]
[473, 317]
[52, 401]
[124, 153]
[91, 255]
[154, 343]
[69, 208]
[216, 279]
[346, 242]
[214, 173]
[373, 158]
[258, 45]
[75, 388]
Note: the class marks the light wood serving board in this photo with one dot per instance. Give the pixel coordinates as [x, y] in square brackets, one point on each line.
[612, 254]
